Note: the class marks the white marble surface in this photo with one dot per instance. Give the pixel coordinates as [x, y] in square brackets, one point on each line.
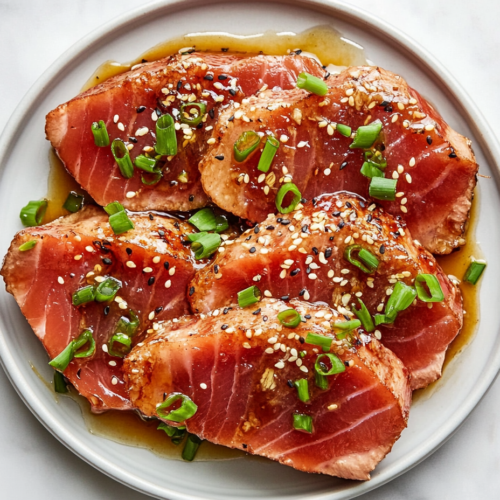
[464, 36]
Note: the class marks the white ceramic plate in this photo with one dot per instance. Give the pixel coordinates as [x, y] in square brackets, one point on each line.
[23, 145]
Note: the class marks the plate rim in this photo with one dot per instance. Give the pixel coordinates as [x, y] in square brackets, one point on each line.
[468, 110]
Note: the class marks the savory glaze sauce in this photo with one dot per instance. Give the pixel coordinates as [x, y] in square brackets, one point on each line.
[331, 48]
[323, 41]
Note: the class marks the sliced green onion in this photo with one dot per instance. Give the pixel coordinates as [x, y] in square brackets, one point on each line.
[128, 326]
[122, 157]
[146, 163]
[166, 140]
[32, 214]
[376, 159]
[400, 299]
[246, 144]
[303, 423]
[191, 447]
[344, 130]
[366, 135]
[73, 202]
[312, 84]
[120, 222]
[320, 340]
[206, 245]
[320, 380]
[176, 434]
[187, 409]
[154, 178]
[84, 338]
[204, 220]
[302, 389]
[119, 345]
[195, 236]
[381, 319]
[347, 326]
[383, 189]
[367, 261]
[289, 318]
[114, 208]
[474, 271]
[101, 137]
[107, 289]
[284, 189]
[83, 295]
[64, 358]
[270, 149]
[192, 119]
[249, 296]
[60, 383]
[364, 316]
[28, 245]
[337, 365]
[436, 292]
[370, 170]
[221, 223]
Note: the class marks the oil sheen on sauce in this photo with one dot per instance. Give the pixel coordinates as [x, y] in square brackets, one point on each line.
[331, 48]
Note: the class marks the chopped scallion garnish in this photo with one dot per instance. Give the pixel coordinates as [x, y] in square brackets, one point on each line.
[270, 149]
[312, 84]
[289, 187]
[83, 295]
[366, 261]
[151, 179]
[118, 218]
[428, 288]
[119, 345]
[383, 189]
[370, 170]
[60, 385]
[128, 326]
[27, 246]
[113, 208]
[191, 447]
[122, 158]
[146, 163]
[289, 318]
[32, 214]
[192, 113]
[320, 380]
[337, 365]
[176, 434]
[221, 223]
[204, 220]
[205, 245]
[344, 130]
[63, 359]
[366, 135]
[73, 203]
[320, 340]
[302, 422]
[107, 289]
[249, 296]
[187, 409]
[400, 299]
[474, 271]
[302, 389]
[376, 158]
[101, 137]
[364, 316]
[346, 326]
[166, 140]
[245, 145]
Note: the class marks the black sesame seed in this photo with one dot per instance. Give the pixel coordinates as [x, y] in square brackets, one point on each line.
[191, 291]
[315, 250]
[369, 218]
[252, 250]
[285, 222]
[158, 310]
[270, 228]
[452, 155]
[158, 111]
[245, 446]
[232, 92]
[106, 310]
[429, 140]
[179, 85]
[208, 77]
[106, 242]
[225, 49]
[295, 272]
[166, 265]
[211, 113]
[256, 229]
[348, 205]
[308, 269]
[199, 126]
[362, 204]
[346, 363]
[257, 311]
[151, 280]
[304, 228]
[285, 297]
[216, 269]
[140, 109]
[231, 118]
[328, 253]
[336, 214]
[302, 340]
[78, 373]
[344, 165]
[384, 103]
[341, 224]
[224, 327]
[151, 217]
[331, 238]
[308, 316]
[161, 233]
[222, 77]
[298, 51]
[176, 225]
[191, 197]
[264, 318]
[290, 384]
[226, 310]
[249, 238]
[388, 109]
[219, 157]
[129, 251]
[382, 249]
[314, 201]
[107, 261]
[71, 275]
[133, 139]
[302, 292]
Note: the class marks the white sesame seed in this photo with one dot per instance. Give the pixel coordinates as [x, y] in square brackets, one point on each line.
[312, 276]
[116, 118]
[280, 365]
[404, 209]
[401, 169]
[330, 273]
[142, 131]
[114, 380]
[60, 280]
[283, 138]
[156, 259]
[89, 248]
[122, 305]
[283, 274]
[348, 240]
[203, 385]
[112, 362]
[168, 284]
[332, 407]
[267, 293]
[246, 345]
[131, 194]
[121, 127]
[211, 140]
[301, 144]
[272, 340]
[147, 270]
[395, 175]
[303, 369]
[408, 178]
[306, 295]
[99, 279]
[269, 350]
[171, 271]
[105, 347]
[131, 264]
[412, 162]
[77, 257]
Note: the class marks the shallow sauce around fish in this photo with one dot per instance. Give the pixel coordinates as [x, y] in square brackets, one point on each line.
[331, 48]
